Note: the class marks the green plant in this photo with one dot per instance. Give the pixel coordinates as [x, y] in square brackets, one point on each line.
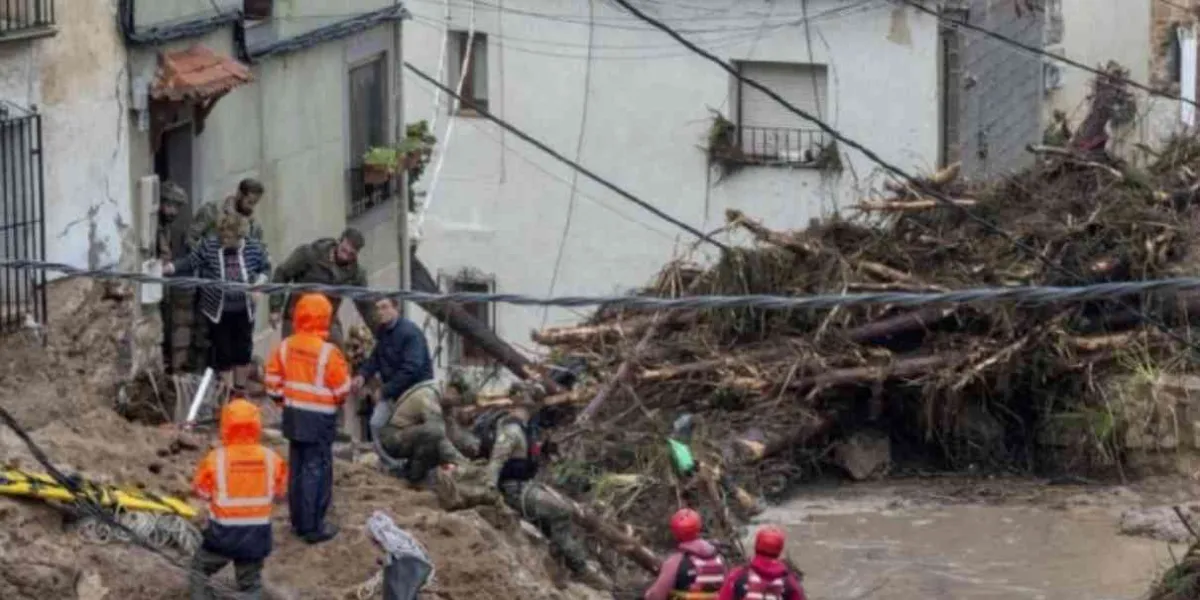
[828, 158]
[382, 157]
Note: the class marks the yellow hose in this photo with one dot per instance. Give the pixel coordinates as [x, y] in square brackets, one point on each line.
[15, 482]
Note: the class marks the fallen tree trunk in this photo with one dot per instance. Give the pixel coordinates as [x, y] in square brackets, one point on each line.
[901, 206]
[466, 325]
[590, 334]
[748, 450]
[876, 331]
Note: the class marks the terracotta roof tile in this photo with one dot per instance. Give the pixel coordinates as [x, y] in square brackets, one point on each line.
[197, 73]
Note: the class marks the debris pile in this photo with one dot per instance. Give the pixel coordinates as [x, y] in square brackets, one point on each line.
[778, 392]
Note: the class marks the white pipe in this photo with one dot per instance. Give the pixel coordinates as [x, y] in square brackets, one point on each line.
[199, 397]
[441, 68]
[441, 159]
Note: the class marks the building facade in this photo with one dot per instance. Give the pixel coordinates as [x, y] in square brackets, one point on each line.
[64, 196]
[636, 107]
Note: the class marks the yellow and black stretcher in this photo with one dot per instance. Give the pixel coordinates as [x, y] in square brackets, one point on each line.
[15, 482]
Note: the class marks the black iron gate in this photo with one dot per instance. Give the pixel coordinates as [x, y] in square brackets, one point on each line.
[22, 217]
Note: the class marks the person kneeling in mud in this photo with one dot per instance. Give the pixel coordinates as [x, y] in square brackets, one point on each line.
[408, 423]
[509, 442]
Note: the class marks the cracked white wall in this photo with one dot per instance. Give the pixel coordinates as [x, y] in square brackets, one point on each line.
[76, 79]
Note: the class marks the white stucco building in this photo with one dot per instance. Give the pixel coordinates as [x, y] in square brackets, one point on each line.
[636, 107]
[64, 192]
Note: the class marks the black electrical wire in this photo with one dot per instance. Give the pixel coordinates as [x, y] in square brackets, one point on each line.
[574, 165]
[879, 160]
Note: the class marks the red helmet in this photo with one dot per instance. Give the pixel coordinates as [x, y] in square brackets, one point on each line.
[769, 542]
[685, 524]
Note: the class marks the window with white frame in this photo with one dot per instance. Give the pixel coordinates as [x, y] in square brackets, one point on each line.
[769, 132]
[475, 83]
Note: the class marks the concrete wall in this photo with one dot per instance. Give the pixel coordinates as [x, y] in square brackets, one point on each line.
[1003, 89]
[76, 79]
[501, 205]
[295, 17]
[1097, 31]
[157, 12]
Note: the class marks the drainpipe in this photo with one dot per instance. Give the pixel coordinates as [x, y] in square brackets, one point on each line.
[402, 199]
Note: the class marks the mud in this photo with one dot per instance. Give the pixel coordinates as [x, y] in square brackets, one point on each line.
[64, 392]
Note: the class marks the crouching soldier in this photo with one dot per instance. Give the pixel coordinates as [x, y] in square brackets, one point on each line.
[240, 479]
[508, 441]
[408, 422]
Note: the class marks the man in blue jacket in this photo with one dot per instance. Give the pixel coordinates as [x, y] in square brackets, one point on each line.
[410, 424]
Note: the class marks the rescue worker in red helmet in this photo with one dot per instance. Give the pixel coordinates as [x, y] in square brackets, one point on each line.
[695, 570]
[766, 577]
[241, 479]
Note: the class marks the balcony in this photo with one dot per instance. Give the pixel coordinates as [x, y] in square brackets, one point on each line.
[26, 19]
[364, 191]
[770, 146]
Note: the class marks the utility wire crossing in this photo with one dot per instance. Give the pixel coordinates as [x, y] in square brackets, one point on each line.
[874, 157]
[1031, 295]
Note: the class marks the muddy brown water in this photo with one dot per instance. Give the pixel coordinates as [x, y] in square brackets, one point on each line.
[883, 546]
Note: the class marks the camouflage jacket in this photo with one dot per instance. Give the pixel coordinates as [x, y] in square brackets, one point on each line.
[510, 444]
[313, 263]
[204, 222]
[421, 405]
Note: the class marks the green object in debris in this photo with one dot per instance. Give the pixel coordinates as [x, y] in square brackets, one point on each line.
[681, 455]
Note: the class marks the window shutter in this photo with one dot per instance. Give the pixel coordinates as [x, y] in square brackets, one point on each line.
[793, 83]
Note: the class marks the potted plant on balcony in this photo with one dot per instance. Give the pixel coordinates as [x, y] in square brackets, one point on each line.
[379, 164]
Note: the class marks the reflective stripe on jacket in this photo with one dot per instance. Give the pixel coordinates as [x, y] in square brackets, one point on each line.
[759, 588]
[240, 479]
[699, 577]
[309, 375]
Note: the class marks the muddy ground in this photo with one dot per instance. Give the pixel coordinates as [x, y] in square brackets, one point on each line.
[63, 392]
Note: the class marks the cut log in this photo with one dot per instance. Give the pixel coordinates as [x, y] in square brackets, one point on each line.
[748, 450]
[904, 206]
[905, 367]
[763, 234]
[590, 334]
[673, 371]
[877, 331]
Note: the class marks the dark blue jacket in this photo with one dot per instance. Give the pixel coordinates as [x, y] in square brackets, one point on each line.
[401, 358]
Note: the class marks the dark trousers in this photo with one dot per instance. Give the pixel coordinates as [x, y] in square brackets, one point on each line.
[248, 575]
[310, 487]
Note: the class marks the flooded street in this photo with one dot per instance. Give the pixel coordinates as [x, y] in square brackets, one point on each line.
[882, 545]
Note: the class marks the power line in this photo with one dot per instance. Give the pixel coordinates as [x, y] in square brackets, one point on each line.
[1040, 52]
[583, 115]
[533, 164]
[1025, 295]
[874, 157]
[552, 152]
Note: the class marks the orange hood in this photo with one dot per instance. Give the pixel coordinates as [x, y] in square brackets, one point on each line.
[240, 423]
[313, 314]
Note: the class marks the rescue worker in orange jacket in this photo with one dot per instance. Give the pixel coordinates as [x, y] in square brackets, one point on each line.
[695, 570]
[311, 378]
[240, 479]
[766, 577]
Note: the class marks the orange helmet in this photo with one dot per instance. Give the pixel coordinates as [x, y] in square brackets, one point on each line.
[685, 524]
[769, 542]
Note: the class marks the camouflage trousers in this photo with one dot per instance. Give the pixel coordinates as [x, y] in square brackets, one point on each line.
[542, 508]
[423, 446]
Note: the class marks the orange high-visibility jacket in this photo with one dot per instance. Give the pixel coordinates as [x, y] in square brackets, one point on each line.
[309, 375]
[241, 478]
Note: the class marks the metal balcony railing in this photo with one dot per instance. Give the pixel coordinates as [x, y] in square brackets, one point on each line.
[776, 146]
[18, 17]
[365, 192]
[22, 217]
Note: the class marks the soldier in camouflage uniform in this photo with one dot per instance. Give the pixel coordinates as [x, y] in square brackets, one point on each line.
[513, 454]
[178, 317]
[328, 261]
[417, 432]
[249, 193]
